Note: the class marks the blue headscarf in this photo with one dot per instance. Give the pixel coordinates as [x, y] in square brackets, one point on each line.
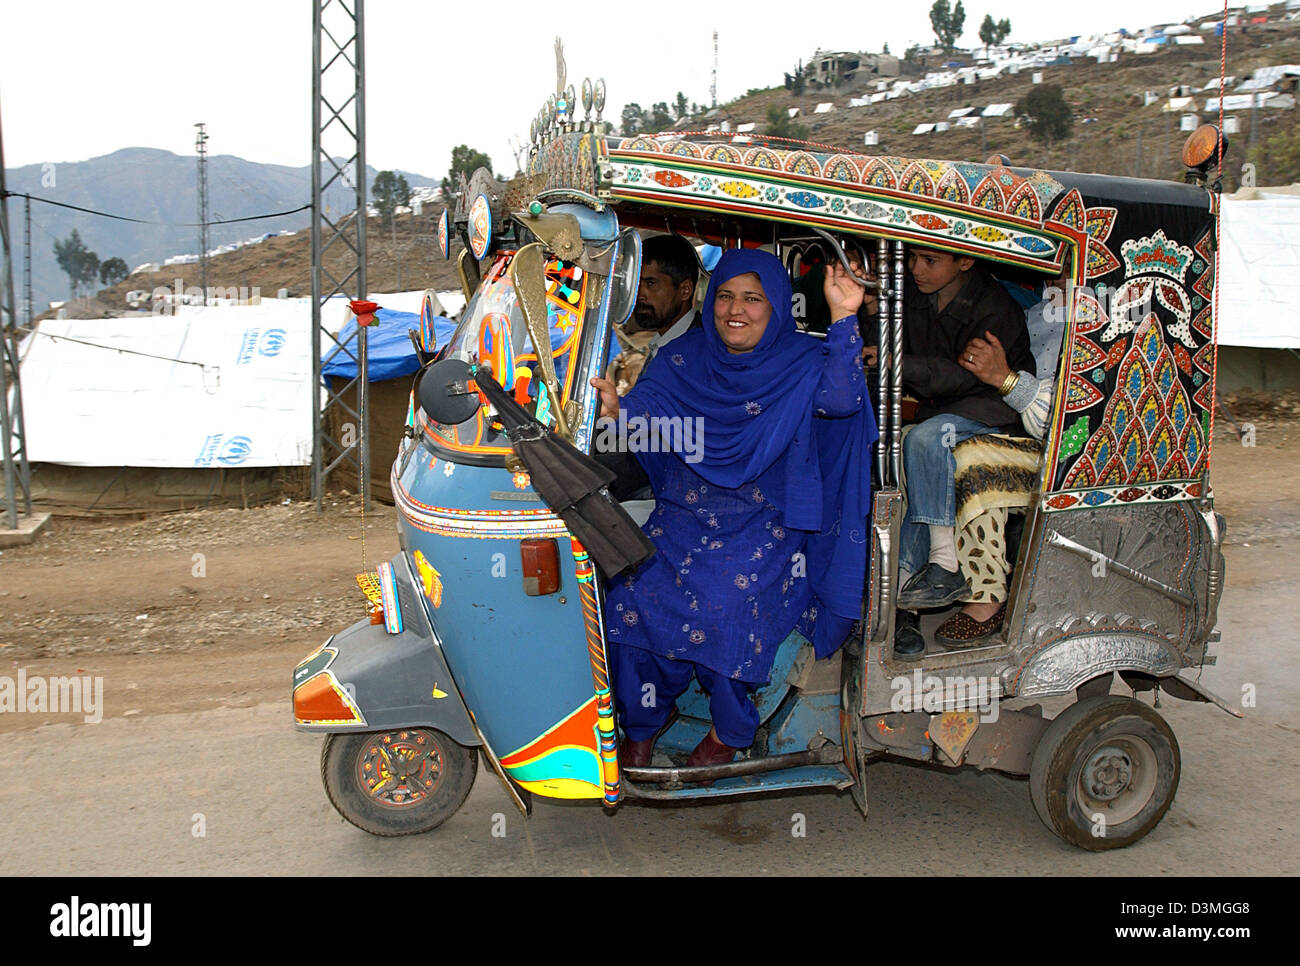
[756, 409]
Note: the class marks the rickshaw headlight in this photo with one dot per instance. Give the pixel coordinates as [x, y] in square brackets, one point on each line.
[320, 700]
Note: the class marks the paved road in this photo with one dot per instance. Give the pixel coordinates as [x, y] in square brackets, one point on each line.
[122, 797]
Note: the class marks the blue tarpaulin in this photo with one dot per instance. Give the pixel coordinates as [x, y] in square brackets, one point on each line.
[388, 348]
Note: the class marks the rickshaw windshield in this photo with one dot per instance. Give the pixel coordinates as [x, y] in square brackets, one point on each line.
[493, 332]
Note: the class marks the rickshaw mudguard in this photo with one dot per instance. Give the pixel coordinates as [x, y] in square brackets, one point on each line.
[390, 680]
[527, 666]
[1125, 588]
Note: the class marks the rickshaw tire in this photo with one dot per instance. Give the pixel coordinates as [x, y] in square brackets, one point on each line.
[339, 774]
[1079, 733]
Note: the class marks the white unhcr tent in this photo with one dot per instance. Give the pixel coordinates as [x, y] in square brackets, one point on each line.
[1260, 262]
[214, 387]
[208, 387]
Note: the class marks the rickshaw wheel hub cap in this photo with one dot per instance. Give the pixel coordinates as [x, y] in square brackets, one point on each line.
[400, 768]
[1108, 772]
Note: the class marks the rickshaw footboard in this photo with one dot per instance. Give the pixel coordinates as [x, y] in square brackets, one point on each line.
[827, 754]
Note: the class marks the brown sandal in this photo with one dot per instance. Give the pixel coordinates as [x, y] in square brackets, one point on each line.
[961, 630]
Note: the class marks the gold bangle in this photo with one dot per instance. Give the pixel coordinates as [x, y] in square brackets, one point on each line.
[1012, 380]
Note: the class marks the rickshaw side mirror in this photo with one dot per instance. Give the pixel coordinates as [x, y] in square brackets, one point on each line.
[627, 277]
[447, 392]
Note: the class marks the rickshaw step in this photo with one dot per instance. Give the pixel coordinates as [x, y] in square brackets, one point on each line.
[827, 754]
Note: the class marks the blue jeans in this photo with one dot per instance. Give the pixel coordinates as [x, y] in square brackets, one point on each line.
[930, 467]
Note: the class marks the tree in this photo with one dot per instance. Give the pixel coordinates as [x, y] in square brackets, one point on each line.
[464, 160]
[988, 32]
[633, 120]
[947, 23]
[680, 106]
[390, 192]
[994, 33]
[794, 83]
[1045, 113]
[79, 263]
[885, 49]
[660, 117]
[113, 271]
[781, 125]
[1277, 160]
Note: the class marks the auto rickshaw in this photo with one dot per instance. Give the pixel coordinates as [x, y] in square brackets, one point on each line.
[487, 629]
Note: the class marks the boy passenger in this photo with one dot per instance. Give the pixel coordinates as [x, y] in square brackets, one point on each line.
[981, 545]
[947, 303]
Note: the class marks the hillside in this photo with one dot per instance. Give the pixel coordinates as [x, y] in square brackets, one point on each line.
[1113, 132]
[285, 262]
[154, 186]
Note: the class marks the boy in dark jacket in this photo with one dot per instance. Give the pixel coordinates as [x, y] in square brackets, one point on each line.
[947, 302]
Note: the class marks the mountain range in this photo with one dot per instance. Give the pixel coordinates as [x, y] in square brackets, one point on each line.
[154, 186]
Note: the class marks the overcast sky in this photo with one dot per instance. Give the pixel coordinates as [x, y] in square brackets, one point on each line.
[82, 78]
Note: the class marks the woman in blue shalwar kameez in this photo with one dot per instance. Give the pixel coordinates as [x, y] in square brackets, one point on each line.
[769, 522]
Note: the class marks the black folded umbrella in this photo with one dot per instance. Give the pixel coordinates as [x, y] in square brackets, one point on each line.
[571, 483]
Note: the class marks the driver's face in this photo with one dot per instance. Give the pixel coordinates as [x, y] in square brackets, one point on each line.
[660, 303]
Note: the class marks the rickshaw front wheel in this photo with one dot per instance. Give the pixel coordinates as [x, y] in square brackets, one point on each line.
[400, 782]
[1105, 772]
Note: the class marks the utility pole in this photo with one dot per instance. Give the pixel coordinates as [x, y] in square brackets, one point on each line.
[1164, 149]
[27, 259]
[338, 62]
[1254, 114]
[13, 433]
[397, 252]
[713, 88]
[201, 148]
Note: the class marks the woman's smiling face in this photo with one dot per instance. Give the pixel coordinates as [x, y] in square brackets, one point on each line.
[741, 312]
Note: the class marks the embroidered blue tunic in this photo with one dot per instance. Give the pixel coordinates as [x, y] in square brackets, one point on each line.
[730, 578]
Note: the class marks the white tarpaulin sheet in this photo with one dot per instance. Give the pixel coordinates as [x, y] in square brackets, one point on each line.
[208, 387]
[1260, 262]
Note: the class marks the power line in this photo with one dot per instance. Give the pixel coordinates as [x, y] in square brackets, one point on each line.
[143, 221]
[231, 221]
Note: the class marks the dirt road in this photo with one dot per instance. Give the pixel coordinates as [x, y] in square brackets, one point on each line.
[194, 621]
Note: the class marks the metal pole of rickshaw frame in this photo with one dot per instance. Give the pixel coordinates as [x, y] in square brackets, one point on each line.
[896, 374]
[882, 356]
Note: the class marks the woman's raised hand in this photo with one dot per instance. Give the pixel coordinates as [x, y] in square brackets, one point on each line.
[608, 396]
[843, 294]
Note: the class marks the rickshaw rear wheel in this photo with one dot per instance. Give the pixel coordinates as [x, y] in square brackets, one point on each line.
[400, 782]
[1105, 772]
